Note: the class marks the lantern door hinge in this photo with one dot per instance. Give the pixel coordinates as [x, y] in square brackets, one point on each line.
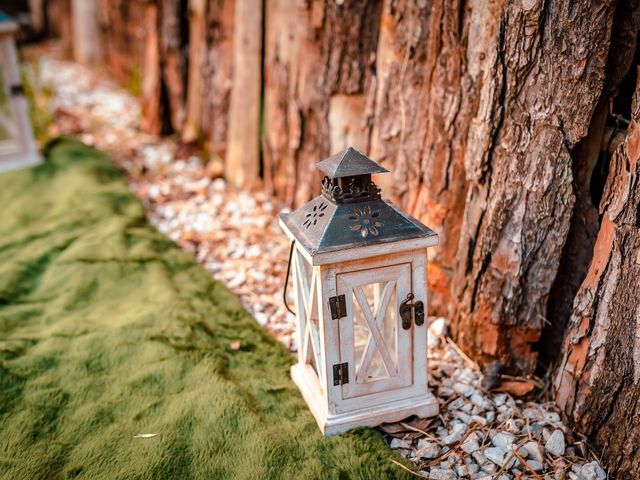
[338, 306]
[340, 373]
[16, 89]
[408, 308]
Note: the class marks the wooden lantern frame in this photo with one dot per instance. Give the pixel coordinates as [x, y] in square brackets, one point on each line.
[338, 408]
[359, 286]
[19, 150]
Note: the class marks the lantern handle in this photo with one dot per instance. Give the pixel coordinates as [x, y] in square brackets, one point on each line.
[286, 279]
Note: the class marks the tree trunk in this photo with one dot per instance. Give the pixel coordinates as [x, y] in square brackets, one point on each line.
[541, 85]
[242, 161]
[151, 80]
[319, 67]
[87, 43]
[598, 380]
[58, 15]
[173, 38]
[124, 31]
[197, 24]
[217, 70]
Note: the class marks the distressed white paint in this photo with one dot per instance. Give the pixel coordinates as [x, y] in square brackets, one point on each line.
[401, 389]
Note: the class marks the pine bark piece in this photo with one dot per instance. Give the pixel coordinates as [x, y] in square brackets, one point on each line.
[242, 161]
[597, 381]
[539, 95]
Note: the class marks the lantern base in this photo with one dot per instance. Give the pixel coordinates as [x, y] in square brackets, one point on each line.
[19, 160]
[424, 405]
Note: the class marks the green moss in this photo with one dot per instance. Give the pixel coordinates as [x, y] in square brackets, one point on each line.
[108, 330]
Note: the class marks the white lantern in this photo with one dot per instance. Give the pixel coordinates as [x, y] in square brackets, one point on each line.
[17, 146]
[359, 272]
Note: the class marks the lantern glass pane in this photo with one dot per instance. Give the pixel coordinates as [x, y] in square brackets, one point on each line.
[309, 321]
[9, 134]
[381, 301]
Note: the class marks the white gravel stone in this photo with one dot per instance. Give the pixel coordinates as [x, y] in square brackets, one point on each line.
[535, 465]
[455, 435]
[552, 416]
[464, 389]
[399, 443]
[556, 443]
[479, 457]
[442, 474]
[428, 451]
[498, 456]
[471, 444]
[503, 440]
[534, 450]
[481, 476]
[438, 326]
[592, 471]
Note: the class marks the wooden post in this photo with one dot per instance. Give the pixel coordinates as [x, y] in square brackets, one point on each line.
[150, 100]
[87, 44]
[197, 52]
[36, 9]
[242, 162]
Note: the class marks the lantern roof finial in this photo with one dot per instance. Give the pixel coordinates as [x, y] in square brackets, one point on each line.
[347, 163]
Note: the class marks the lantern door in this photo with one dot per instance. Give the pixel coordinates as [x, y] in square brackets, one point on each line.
[375, 351]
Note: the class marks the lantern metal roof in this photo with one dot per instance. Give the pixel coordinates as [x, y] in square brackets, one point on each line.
[7, 25]
[347, 163]
[350, 212]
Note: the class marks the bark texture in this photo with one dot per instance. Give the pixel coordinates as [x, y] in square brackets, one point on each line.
[319, 64]
[598, 380]
[543, 78]
[124, 29]
[217, 70]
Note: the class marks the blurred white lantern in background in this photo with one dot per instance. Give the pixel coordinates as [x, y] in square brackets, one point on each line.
[17, 145]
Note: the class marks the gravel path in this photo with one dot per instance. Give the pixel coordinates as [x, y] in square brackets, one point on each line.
[478, 435]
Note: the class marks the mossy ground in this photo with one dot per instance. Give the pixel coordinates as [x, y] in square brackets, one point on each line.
[108, 330]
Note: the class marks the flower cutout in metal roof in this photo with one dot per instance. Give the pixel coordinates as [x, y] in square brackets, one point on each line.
[364, 221]
[313, 216]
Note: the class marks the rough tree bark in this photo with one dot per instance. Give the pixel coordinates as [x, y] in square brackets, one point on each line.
[319, 64]
[423, 107]
[173, 61]
[124, 29]
[217, 70]
[543, 79]
[598, 380]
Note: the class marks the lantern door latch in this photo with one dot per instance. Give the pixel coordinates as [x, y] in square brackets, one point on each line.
[338, 306]
[340, 373]
[409, 309]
